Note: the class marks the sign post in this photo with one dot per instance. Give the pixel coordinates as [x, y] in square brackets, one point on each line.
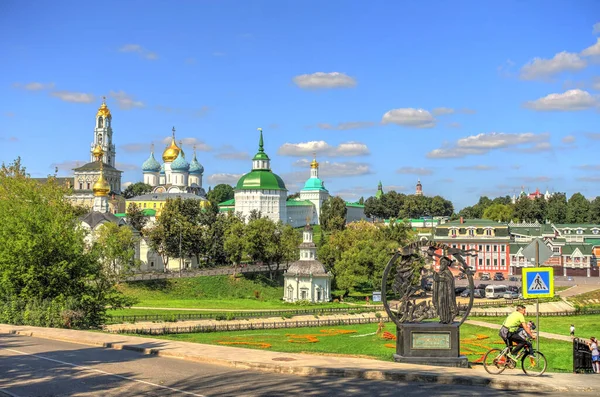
[538, 282]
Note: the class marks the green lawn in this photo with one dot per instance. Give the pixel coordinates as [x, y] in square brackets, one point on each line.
[359, 340]
[585, 325]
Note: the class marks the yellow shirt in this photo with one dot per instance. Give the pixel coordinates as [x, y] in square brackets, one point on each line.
[514, 321]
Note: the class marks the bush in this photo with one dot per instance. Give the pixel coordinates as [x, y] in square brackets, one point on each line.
[230, 316]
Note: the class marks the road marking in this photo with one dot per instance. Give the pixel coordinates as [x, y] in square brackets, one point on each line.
[85, 368]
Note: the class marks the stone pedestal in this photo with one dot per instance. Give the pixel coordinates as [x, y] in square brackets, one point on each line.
[430, 344]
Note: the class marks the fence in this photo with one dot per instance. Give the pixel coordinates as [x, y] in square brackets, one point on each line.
[231, 315]
[582, 357]
[248, 326]
[542, 314]
[219, 271]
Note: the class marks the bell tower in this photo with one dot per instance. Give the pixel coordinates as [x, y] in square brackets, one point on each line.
[103, 135]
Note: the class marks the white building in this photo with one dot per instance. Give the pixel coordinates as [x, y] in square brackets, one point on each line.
[261, 189]
[307, 279]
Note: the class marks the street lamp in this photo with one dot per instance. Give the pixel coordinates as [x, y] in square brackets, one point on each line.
[180, 257]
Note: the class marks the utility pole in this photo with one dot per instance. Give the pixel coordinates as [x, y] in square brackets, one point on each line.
[537, 301]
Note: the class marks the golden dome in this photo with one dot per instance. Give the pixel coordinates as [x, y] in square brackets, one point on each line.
[314, 163]
[97, 152]
[101, 188]
[172, 151]
[104, 110]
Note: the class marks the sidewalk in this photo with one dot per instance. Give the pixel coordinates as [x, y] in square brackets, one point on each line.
[315, 365]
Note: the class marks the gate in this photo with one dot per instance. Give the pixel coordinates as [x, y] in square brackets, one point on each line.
[582, 357]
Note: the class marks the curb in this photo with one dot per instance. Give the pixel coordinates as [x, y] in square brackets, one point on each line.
[397, 375]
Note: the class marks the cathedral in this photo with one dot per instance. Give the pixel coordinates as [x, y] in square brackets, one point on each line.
[88, 174]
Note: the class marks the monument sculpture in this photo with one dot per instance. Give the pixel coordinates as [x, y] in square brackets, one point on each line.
[421, 339]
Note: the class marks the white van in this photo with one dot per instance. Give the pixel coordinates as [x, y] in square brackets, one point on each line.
[495, 291]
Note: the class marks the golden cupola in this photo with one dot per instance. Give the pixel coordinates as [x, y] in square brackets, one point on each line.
[101, 188]
[314, 163]
[97, 152]
[172, 151]
[104, 110]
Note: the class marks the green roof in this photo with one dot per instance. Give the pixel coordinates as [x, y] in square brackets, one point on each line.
[145, 212]
[260, 180]
[227, 203]
[298, 203]
[474, 222]
[585, 249]
[593, 241]
[514, 248]
[354, 205]
[314, 184]
[526, 231]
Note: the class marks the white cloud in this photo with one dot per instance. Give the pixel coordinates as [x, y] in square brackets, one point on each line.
[480, 167]
[346, 149]
[506, 69]
[454, 125]
[68, 165]
[198, 112]
[484, 142]
[588, 167]
[594, 136]
[125, 101]
[124, 185]
[230, 179]
[138, 49]
[568, 139]
[534, 179]
[127, 166]
[596, 28]
[467, 111]
[409, 117]
[193, 142]
[570, 100]
[324, 80]
[329, 169]
[232, 155]
[540, 68]
[494, 140]
[349, 125]
[589, 179]
[596, 84]
[593, 50]
[136, 147]
[76, 97]
[414, 171]
[442, 111]
[537, 148]
[34, 86]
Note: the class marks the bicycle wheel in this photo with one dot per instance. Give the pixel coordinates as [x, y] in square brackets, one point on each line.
[534, 364]
[494, 361]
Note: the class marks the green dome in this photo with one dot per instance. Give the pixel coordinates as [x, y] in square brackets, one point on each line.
[260, 180]
[314, 184]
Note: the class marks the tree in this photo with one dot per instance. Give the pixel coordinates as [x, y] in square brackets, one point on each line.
[333, 214]
[293, 196]
[594, 216]
[556, 208]
[439, 206]
[221, 193]
[498, 212]
[50, 277]
[539, 209]
[136, 189]
[235, 240]
[136, 217]
[116, 247]
[524, 210]
[578, 209]
[414, 207]
[361, 200]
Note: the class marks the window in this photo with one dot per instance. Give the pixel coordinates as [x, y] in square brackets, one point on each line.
[319, 299]
[595, 231]
[88, 186]
[462, 247]
[495, 248]
[495, 262]
[487, 248]
[579, 231]
[488, 232]
[502, 263]
[480, 262]
[471, 232]
[556, 250]
[303, 294]
[100, 123]
[502, 248]
[80, 185]
[480, 247]
[151, 264]
[487, 263]
[453, 232]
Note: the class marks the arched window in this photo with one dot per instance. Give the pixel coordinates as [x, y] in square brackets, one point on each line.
[100, 122]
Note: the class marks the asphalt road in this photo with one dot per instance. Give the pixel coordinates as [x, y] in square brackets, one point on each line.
[44, 368]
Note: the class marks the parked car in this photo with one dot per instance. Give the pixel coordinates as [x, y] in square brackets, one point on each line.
[513, 288]
[513, 278]
[481, 286]
[485, 277]
[479, 293]
[459, 290]
[465, 293]
[498, 277]
[511, 295]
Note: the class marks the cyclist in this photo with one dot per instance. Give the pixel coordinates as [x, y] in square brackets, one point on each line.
[510, 330]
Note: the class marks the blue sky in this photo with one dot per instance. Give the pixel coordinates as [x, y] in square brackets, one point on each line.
[471, 97]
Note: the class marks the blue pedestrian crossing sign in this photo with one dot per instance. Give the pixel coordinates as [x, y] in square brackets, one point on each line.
[538, 282]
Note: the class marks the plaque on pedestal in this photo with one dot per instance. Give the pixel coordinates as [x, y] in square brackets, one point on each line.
[419, 341]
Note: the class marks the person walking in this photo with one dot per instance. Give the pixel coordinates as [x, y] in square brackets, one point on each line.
[572, 330]
[595, 354]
